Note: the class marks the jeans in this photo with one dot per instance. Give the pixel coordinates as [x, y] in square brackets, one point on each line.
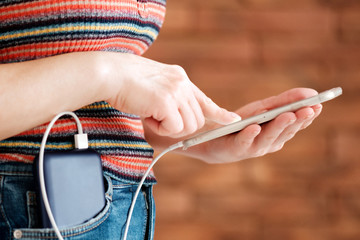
[19, 214]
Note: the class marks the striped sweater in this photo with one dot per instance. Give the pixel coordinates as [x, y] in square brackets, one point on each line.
[33, 29]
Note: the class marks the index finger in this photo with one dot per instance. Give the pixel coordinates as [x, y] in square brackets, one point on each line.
[212, 111]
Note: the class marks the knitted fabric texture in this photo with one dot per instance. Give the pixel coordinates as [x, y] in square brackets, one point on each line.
[33, 29]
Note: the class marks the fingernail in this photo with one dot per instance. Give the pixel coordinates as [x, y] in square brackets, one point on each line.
[235, 116]
[256, 132]
[310, 115]
[291, 121]
[317, 107]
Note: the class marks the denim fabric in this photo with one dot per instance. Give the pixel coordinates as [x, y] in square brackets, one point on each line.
[19, 215]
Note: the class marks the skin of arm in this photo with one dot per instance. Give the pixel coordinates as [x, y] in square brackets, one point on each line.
[33, 92]
[162, 95]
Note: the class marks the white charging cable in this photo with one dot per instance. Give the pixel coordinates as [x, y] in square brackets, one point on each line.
[81, 142]
[169, 149]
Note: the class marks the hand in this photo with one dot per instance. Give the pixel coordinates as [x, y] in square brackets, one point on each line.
[256, 140]
[169, 103]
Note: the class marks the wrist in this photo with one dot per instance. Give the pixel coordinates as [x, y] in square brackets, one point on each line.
[100, 75]
[109, 73]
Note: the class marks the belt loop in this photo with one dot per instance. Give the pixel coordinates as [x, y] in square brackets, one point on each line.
[109, 191]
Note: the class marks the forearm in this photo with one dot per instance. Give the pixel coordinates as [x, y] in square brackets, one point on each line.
[33, 92]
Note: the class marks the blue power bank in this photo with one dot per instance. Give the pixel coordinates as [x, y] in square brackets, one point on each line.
[74, 185]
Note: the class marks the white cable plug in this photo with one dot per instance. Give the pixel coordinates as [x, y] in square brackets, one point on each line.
[81, 142]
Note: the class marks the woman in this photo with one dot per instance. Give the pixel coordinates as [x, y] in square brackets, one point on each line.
[84, 56]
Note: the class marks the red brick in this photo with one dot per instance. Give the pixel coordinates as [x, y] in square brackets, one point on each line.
[210, 4]
[184, 230]
[340, 4]
[342, 111]
[293, 211]
[175, 169]
[349, 25]
[346, 149]
[177, 19]
[296, 233]
[203, 47]
[241, 51]
[292, 20]
[299, 50]
[279, 4]
[347, 76]
[244, 203]
[175, 202]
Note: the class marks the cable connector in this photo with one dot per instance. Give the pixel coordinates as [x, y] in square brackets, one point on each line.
[81, 141]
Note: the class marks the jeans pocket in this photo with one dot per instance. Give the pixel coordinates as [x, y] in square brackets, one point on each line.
[91, 229]
[33, 218]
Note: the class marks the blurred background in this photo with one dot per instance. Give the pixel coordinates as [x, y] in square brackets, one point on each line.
[238, 51]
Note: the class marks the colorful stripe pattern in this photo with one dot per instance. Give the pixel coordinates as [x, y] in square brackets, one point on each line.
[40, 28]
[33, 29]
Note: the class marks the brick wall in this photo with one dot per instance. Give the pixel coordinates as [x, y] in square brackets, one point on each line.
[240, 51]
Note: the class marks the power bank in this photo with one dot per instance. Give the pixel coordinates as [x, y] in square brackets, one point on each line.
[74, 185]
